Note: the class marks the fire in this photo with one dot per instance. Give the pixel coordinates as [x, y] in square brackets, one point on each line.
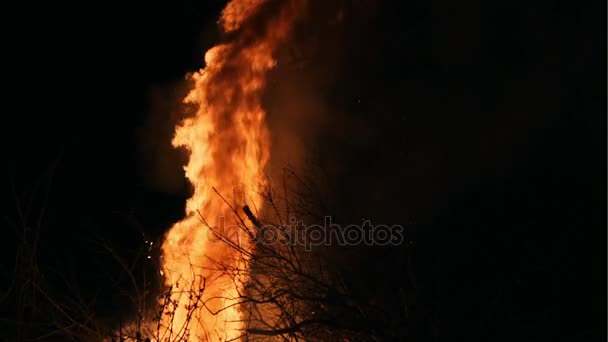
[229, 148]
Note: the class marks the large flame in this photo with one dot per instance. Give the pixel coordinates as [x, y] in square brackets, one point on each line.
[229, 147]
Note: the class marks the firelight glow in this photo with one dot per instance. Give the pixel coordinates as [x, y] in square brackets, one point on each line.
[229, 145]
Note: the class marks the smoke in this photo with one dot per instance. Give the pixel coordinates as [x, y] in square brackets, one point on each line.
[300, 98]
[161, 165]
[298, 107]
[311, 114]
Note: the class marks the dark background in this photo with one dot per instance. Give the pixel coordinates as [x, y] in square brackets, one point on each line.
[484, 134]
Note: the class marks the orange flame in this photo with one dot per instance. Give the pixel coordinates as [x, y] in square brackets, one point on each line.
[229, 148]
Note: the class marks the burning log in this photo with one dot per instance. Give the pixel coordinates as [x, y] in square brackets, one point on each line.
[252, 218]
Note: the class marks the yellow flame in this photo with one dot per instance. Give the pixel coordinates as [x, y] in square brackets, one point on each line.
[229, 148]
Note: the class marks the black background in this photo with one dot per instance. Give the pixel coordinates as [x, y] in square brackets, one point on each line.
[488, 124]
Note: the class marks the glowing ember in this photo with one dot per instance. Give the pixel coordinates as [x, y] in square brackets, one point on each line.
[229, 148]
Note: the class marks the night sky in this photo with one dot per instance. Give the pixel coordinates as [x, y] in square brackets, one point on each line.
[480, 126]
